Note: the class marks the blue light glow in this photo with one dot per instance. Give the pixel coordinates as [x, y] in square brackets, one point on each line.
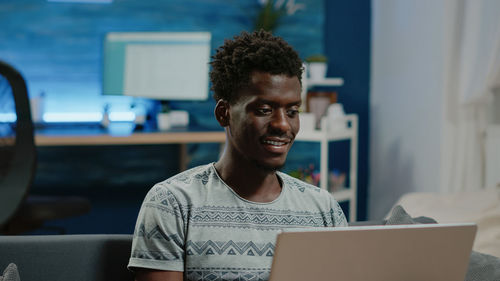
[8, 117]
[123, 116]
[72, 117]
[75, 117]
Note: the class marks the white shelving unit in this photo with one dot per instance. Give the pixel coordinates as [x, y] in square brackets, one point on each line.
[324, 137]
[307, 84]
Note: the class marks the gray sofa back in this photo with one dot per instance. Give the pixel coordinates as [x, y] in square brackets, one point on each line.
[87, 257]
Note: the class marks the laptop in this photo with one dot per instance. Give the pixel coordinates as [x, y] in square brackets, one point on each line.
[430, 252]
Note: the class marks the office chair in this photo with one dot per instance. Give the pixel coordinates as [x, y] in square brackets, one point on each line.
[19, 211]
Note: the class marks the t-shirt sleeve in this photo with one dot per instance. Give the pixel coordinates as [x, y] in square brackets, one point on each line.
[338, 216]
[158, 241]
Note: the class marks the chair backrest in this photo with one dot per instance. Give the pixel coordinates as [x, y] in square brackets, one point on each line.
[17, 147]
[85, 257]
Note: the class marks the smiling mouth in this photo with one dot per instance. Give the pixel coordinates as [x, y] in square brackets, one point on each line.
[276, 143]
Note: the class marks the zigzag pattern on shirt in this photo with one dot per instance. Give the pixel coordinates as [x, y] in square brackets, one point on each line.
[338, 215]
[156, 255]
[229, 248]
[215, 216]
[163, 197]
[226, 274]
[164, 200]
[157, 233]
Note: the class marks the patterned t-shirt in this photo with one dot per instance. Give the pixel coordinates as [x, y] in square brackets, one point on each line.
[195, 223]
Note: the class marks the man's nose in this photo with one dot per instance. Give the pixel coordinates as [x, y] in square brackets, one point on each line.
[280, 122]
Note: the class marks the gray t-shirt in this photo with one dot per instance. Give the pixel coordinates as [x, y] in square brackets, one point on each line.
[195, 223]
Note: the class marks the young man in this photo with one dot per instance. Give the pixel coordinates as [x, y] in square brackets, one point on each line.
[220, 221]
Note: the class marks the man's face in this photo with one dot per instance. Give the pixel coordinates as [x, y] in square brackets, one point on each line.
[265, 119]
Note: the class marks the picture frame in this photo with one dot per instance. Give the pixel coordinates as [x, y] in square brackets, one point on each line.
[317, 102]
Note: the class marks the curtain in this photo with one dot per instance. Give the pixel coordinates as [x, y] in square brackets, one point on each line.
[473, 75]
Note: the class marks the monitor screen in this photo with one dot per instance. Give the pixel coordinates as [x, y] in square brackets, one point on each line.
[157, 65]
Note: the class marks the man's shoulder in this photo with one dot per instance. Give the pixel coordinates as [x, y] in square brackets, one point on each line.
[189, 181]
[190, 176]
[298, 185]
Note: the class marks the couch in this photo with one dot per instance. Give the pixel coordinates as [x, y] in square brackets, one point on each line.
[479, 206]
[67, 257]
[105, 257]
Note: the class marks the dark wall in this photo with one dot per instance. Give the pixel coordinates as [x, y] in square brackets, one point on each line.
[347, 45]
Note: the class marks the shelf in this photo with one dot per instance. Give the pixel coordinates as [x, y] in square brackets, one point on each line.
[336, 82]
[342, 195]
[307, 83]
[319, 135]
[333, 133]
[323, 137]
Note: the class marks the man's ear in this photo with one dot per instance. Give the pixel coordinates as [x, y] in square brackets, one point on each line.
[222, 112]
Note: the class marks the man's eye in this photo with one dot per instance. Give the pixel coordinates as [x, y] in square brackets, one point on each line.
[264, 111]
[293, 112]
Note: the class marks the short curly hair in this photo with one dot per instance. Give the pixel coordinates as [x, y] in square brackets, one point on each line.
[234, 62]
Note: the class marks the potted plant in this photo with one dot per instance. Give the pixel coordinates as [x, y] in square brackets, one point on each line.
[268, 16]
[317, 66]
[270, 13]
[163, 116]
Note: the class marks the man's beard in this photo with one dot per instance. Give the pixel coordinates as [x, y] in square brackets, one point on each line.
[268, 168]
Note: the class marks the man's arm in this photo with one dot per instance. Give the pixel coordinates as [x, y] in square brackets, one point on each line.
[158, 237]
[157, 275]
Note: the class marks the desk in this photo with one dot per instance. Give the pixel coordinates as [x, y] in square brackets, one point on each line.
[95, 137]
[42, 139]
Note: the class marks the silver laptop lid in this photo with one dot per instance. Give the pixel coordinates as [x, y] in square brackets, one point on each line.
[430, 252]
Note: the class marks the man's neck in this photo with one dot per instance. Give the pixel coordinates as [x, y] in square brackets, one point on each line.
[248, 180]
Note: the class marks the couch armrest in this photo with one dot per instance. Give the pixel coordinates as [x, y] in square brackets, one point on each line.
[87, 257]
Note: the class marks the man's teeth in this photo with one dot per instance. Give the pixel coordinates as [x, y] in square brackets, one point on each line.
[274, 142]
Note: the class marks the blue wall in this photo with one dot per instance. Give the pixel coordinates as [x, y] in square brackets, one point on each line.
[58, 46]
[347, 44]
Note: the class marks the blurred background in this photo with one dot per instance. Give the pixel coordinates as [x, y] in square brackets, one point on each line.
[422, 77]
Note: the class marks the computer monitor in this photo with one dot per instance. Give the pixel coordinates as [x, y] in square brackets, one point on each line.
[157, 65]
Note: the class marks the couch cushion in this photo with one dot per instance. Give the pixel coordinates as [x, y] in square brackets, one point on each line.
[68, 257]
[482, 267]
[481, 207]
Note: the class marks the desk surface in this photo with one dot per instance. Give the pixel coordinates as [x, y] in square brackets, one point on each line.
[97, 136]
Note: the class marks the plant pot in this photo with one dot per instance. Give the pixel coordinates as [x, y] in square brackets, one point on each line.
[163, 121]
[317, 71]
